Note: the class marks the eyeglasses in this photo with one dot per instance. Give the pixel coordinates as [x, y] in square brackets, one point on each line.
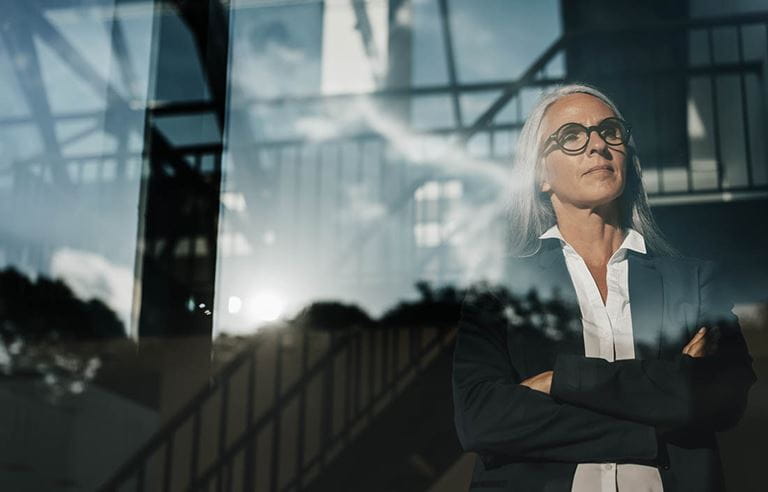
[572, 138]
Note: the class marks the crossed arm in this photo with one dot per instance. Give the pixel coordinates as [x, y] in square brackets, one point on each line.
[495, 415]
[597, 410]
[704, 342]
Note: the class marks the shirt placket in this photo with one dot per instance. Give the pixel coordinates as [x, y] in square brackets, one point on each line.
[608, 352]
[604, 323]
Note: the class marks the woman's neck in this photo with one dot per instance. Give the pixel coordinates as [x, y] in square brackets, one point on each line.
[595, 234]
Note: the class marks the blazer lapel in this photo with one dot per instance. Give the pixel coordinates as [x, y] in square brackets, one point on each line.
[646, 293]
[554, 275]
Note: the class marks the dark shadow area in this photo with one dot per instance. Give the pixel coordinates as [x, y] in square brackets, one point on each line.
[55, 338]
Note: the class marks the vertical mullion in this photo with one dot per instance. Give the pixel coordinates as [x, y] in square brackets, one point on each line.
[339, 235]
[715, 110]
[440, 230]
[384, 243]
[359, 177]
[450, 62]
[744, 108]
[657, 133]
[492, 142]
[317, 207]
[298, 225]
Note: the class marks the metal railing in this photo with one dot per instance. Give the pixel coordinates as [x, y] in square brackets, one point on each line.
[350, 381]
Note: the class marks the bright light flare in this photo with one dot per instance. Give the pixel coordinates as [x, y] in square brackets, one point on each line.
[234, 305]
[265, 306]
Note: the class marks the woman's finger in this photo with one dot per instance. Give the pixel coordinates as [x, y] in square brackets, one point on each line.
[702, 332]
[698, 336]
[697, 348]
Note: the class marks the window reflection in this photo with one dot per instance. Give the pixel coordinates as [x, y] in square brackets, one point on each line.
[185, 185]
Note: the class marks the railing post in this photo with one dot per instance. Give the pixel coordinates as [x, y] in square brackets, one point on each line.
[327, 419]
[193, 462]
[222, 430]
[371, 370]
[249, 461]
[140, 476]
[275, 464]
[300, 438]
[358, 370]
[348, 349]
[168, 464]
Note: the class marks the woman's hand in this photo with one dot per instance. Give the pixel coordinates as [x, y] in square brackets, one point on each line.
[704, 342]
[540, 382]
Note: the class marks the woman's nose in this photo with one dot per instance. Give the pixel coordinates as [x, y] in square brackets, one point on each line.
[595, 142]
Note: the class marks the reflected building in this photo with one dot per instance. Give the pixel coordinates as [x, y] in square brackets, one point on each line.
[208, 168]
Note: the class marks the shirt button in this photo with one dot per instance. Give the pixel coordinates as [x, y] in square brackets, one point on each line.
[608, 466]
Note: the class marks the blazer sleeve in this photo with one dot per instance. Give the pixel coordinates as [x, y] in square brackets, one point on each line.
[705, 392]
[495, 415]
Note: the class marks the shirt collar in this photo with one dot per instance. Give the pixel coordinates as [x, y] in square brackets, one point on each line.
[633, 240]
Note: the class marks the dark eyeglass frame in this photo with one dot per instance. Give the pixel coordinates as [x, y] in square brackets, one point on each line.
[597, 128]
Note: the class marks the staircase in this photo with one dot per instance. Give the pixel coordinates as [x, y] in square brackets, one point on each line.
[288, 407]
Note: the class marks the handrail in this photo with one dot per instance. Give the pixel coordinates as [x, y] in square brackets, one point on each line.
[188, 410]
[441, 339]
[135, 466]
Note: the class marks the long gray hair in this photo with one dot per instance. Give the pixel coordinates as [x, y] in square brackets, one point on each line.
[531, 213]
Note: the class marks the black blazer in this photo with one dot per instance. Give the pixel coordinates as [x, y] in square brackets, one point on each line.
[661, 408]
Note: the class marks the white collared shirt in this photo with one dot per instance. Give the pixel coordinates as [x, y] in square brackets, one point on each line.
[607, 332]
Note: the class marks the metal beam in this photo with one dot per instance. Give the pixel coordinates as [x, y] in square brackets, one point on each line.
[450, 60]
[18, 38]
[363, 26]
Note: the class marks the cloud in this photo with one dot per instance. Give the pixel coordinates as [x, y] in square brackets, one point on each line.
[91, 276]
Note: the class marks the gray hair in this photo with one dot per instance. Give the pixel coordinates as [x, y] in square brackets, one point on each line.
[531, 213]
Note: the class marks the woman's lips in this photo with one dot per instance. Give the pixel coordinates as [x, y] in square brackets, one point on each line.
[600, 168]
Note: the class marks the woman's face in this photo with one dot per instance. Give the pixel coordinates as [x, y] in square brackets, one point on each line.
[589, 179]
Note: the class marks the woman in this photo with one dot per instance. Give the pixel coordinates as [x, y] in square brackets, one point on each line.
[627, 398]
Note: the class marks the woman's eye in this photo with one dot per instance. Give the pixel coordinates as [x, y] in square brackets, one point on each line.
[612, 131]
[570, 136]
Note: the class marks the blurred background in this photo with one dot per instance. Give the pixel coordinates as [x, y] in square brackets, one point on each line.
[235, 234]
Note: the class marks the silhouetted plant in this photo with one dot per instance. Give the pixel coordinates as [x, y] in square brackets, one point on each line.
[332, 315]
[39, 319]
[44, 308]
[439, 308]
